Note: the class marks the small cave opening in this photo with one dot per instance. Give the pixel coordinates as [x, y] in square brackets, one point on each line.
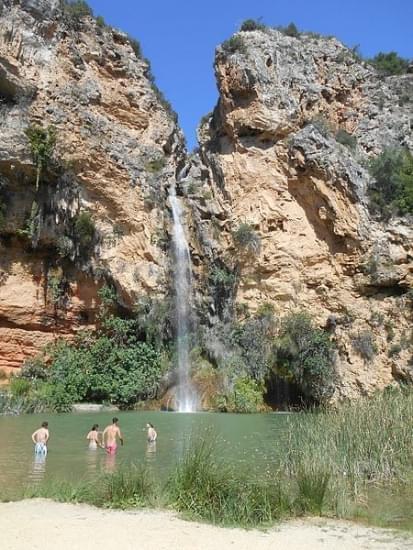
[283, 395]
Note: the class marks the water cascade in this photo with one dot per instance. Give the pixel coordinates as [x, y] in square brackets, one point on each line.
[186, 397]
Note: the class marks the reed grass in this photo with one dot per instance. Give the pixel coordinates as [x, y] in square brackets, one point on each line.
[370, 439]
[205, 488]
[131, 487]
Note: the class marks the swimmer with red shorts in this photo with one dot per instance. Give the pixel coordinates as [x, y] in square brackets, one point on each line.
[110, 435]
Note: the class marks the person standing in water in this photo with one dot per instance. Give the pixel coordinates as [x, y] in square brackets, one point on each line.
[151, 435]
[93, 437]
[110, 435]
[40, 438]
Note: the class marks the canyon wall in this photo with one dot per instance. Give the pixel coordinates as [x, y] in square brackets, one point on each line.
[117, 146]
[272, 160]
[269, 158]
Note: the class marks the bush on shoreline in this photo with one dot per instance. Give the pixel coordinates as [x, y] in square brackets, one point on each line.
[109, 365]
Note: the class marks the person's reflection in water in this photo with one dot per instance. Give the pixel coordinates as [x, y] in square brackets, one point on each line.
[151, 450]
[110, 462]
[38, 468]
[91, 461]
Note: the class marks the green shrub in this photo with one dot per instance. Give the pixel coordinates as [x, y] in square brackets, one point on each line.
[155, 165]
[253, 341]
[28, 403]
[377, 318]
[32, 225]
[64, 246]
[75, 10]
[392, 188]
[290, 30]
[252, 25]
[390, 63]
[322, 124]
[305, 355]
[247, 395]
[108, 296]
[235, 44]
[222, 277]
[100, 21]
[42, 143]
[108, 366]
[34, 369]
[136, 47]
[346, 139]
[363, 343]
[265, 310]
[19, 386]
[56, 287]
[84, 231]
[246, 239]
[160, 96]
[155, 319]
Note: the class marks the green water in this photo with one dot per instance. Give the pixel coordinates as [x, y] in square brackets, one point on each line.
[248, 441]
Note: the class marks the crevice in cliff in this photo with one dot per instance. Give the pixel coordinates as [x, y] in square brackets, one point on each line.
[306, 195]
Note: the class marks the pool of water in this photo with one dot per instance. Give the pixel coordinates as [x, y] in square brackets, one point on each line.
[248, 441]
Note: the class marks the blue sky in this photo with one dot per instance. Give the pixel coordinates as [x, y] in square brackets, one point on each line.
[179, 36]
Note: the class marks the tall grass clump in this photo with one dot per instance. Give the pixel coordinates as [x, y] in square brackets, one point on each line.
[204, 488]
[365, 440]
[131, 487]
[312, 484]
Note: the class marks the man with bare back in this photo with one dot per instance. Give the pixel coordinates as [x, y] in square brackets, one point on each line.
[110, 435]
[40, 438]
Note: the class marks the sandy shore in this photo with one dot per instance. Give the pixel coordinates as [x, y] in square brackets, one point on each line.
[45, 525]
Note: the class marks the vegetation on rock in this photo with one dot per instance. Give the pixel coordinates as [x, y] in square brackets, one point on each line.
[306, 355]
[136, 47]
[343, 137]
[389, 64]
[391, 191]
[42, 143]
[364, 344]
[84, 231]
[246, 239]
[245, 396]
[235, 44]
[252, 25]
[290, 30]
[77, 9]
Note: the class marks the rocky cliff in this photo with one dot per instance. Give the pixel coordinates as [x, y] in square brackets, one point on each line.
[116, 146]
[283, 156]
[272, 161]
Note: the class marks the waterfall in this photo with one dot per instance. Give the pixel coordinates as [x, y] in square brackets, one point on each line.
[186, 397]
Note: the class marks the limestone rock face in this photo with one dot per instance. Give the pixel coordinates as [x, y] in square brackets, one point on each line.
[270, 159]
[117, 146]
